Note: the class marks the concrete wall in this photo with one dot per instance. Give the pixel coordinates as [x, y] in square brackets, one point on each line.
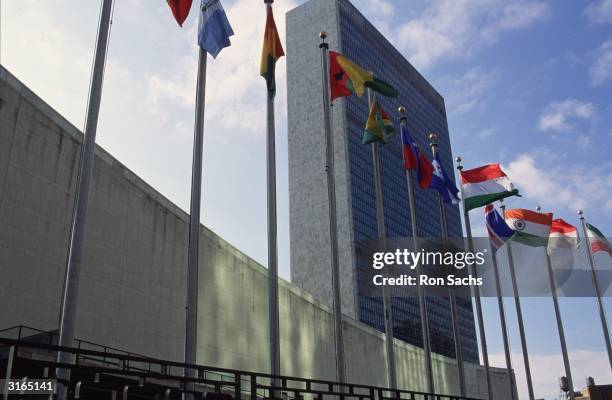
[133, 281]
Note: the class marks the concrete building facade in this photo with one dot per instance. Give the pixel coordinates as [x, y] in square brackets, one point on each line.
[133, 283]
[351, 34]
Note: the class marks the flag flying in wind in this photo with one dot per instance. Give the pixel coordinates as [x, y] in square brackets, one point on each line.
[347, 78]
[379, 125]
[598, 240]
[409, 150]
[180, 9]
[215, 30]
[414, 159]
[499, 231]
[484, 185]
[272, 50]
[441, 182]
[563, 235]
[530, 227]
[424, 171]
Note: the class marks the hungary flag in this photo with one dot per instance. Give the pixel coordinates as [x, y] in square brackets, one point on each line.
[598, 240]
[379, 125]
[484, 185]
[530, 227]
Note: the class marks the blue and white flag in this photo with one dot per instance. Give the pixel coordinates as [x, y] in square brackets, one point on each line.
[214, 29]
[442, 183]
[499, 231]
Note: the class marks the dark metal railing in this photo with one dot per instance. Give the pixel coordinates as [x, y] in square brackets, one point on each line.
[242, 384]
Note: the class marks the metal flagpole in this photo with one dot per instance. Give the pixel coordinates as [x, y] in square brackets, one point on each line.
[191, 321]
[382, 241]
[602, 311]
[504, 325]
[451, 293]
[273, 312]
[519, 313]
[333, 227]
[553, 293]
[75, 256]
[420, 288]
[479, 316]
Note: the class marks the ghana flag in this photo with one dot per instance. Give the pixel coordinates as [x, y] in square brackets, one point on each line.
[272, 50]
[378, 126]
[347, 78]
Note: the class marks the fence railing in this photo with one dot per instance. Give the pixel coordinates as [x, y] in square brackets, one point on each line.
[241, 384]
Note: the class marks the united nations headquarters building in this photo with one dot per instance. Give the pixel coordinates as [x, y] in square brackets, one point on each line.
[130, 320]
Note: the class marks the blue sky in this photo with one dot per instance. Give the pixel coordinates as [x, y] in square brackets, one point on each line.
[527, 83]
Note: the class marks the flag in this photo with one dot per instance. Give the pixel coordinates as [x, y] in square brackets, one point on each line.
[484, 185]
[441, 182]
[424, 171]
[409, 149]
[272, 50]
[347, 78]
[214, 30]
[530, 227]
[180, 9]
[598, 240]
[562, 235]
[379, 125]
[499, 231]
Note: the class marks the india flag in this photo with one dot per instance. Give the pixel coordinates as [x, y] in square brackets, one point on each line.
[484, 185]
[563, 235]
[530, 227]
[598, 240]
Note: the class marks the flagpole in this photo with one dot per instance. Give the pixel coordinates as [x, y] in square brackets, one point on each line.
[451, 294]
[420, 289]
[333, 227]
[602, 311]
[273, 309]
[476, 289]
[519, 312]
[68, 310]
[382, 241]
[553, 294]
[504, 325]
[193, 251]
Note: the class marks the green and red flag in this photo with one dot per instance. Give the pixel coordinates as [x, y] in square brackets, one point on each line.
[598, 241]
[347, 78]
[180, 9]
[484, 185]
[272, 50]
[379, 125]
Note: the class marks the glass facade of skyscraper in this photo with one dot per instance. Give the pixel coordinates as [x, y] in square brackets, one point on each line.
[362, 43]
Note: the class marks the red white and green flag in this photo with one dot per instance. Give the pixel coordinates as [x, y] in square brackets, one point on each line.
[598, 240]
[563, 235]
[530, 227]
[484, 185]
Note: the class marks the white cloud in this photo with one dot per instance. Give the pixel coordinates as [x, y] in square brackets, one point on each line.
[570, 187]
[468, 92]
[546, 370]
[383, 7]
[601, 70]
[584, 142]
[453, 28]
[556, 116]
[599, 12]
[233, 79]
